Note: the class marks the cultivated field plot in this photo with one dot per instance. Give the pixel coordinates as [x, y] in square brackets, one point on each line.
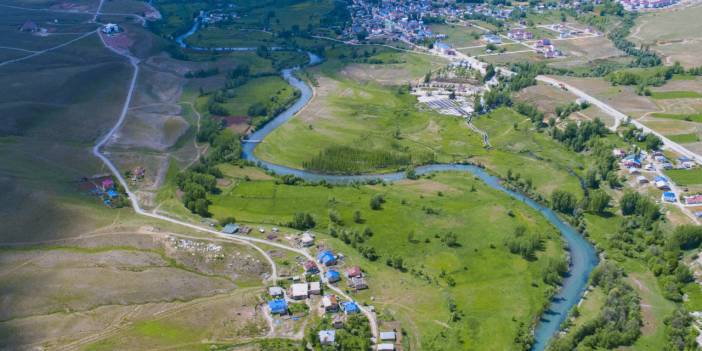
[410, 68]
[583, 51]
[675, 33]
[623, 98]
[458, 36]
[547, 97]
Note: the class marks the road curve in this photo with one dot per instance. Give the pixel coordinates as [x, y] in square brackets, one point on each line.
[234, 237]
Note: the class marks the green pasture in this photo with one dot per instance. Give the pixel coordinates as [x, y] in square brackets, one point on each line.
[684, 138]
[664, 95]
[685, 176]
[492, 286]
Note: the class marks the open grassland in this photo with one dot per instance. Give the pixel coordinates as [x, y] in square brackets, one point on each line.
[662, 95]
[534, 156]
[66, 27]
[685, 176]
[680, 117]
[53, 108]
[491, 285]
[346, 113]
[216, 36]
[458, 36]
[281, 16]
[393, 68]
[675, 33]
[684, 138]
[79, 291]
[585, 51]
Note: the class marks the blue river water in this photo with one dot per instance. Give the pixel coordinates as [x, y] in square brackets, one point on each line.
[583, 256]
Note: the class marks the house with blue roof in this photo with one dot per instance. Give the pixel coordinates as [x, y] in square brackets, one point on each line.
[112, 193]
[669, 196]
[350, 307]
[333, 276]
[278, 306]
[326, 258]
[660, 179]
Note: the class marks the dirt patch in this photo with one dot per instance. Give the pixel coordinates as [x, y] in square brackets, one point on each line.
[428, 187]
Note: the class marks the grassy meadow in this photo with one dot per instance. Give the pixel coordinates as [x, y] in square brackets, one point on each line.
[491, 284]
[685, 176]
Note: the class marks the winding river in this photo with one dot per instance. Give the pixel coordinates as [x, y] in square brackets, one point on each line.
[583, 257]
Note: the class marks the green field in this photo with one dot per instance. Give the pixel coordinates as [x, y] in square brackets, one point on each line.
[366, 117]
[680, 117]
[685, 176]
[216, 36]
[684, 138]
[493, 288]
[662, 95]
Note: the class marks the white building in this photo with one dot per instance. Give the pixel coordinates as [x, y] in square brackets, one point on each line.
[299, 291]
[110, 28]
[307, 239]
[315, 288]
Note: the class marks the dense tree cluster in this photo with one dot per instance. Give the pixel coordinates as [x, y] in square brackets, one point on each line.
[195, 184]
[563, 201]
[576, 137]
[619, 322]
[302, 221]
[350, 160]
[524, 243]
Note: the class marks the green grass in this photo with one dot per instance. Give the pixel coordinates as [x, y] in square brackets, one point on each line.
[230, 36]
[367, 116]
[272, 91]
[684, 138]
[680, 117]
[533, 155]
[682, 94]
[685, 176]
[493, 286]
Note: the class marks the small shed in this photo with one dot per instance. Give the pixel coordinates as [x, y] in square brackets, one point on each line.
[330, 303]
[354, 271]
[315, 288]
[388, 336]
[333, 276]
[669, 196]
[230, 228]
[300, 291]
[326, 258]
[278, 306]
[276, 291]
[326, 337]
[641, 180]
[107, 184]
[311, 267]
[358, 283]
[307, 239]
[338, 321]
[350, 307]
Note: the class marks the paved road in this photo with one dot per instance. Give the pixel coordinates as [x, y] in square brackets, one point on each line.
[620, 117]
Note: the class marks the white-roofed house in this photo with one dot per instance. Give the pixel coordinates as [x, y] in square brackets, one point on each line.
[299, 291]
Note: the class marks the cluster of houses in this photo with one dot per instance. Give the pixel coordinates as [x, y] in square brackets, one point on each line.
[387, 339]
[633, 5]
[103, 187]
[546, 48]
[520, 34]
